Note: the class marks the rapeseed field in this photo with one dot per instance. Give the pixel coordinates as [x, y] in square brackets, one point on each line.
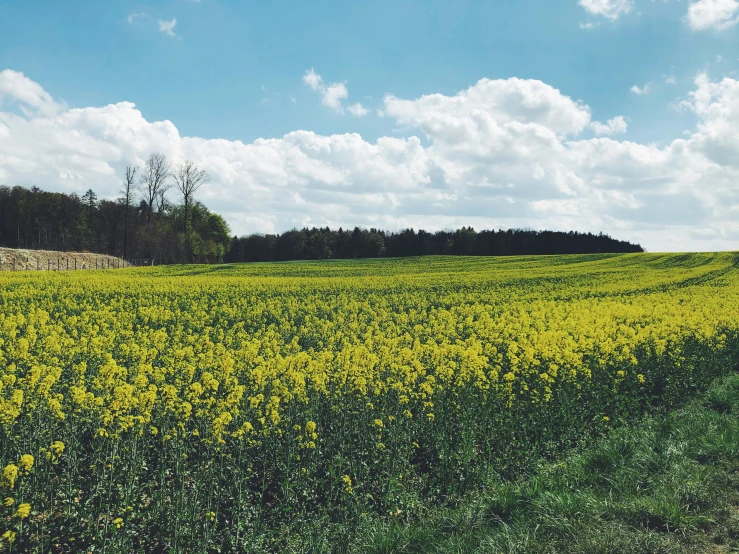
[203, 408]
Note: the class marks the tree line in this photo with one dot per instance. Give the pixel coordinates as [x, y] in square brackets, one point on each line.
[143, 222]
[324, 243]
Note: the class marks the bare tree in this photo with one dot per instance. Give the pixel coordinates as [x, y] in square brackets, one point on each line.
[153, 184]
[127, 192]
[188, 179]
[161, 201]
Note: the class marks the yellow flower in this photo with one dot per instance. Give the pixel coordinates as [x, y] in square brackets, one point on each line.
[378, 422]
[348, 482]
[9, 536]
[118, 522]
[23, 511]
[10, 473]
[310, 427]
[26, 462]
[606, 418]
[57, 447]
[8, 501]
[641, 378]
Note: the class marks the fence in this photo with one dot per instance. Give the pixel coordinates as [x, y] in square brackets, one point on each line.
[69, 263]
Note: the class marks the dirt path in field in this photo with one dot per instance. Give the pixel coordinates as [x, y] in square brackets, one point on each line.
[49, 260]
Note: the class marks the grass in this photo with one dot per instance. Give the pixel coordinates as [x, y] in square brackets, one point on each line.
[669, 484]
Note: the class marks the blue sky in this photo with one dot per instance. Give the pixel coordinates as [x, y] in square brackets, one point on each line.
[235, 71]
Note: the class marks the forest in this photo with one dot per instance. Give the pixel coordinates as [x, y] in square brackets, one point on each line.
[324, 243]
[145, 222]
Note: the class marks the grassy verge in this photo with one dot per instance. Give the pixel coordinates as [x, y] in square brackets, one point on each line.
[668, 484]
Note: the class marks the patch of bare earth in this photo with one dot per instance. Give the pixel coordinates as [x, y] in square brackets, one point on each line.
[50, 260]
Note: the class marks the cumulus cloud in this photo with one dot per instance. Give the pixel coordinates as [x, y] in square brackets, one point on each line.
[333, 95]
[167, 27]
[32, 99]
[357, 110]
[614, 126]
[610, 9]
[133, 16]
[713, 14]
[641, 90]
[501, 153]
[313, 80]
[670, 80]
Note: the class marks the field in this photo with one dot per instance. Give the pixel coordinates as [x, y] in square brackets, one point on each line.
[237, 408]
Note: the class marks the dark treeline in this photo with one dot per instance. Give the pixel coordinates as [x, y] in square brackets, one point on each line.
[324, 243]
[142, 223]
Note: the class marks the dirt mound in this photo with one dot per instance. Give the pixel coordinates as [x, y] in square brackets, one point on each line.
[49, 260]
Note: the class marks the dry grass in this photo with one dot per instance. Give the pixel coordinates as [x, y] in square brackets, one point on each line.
[43, 260]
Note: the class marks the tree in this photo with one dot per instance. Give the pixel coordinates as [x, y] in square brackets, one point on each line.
[154, 180]
[128, 190]
[90, 199]
[154, 185]
[188, 179]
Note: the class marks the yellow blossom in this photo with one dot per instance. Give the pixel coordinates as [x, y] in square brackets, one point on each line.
[26, 462]
[10, 474]
[23, 511]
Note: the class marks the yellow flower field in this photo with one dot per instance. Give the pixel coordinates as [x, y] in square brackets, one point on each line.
[163, 407]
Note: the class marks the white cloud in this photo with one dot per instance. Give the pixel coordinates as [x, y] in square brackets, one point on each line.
[313, 80]
[614, 126]
[133, 16]
[610, 9]
[671, 80]
[357, 110]
[167, 27]
[713, 14]
[32, 99]
[332, 96]
[589, 25]
[641, 90]
[501, 153]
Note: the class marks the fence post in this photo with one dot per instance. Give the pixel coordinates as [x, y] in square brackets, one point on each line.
[75, 263]
[13, 264]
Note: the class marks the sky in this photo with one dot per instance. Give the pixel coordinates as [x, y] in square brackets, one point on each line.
[613, 116]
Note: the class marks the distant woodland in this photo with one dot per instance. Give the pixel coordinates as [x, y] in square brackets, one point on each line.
[324, 243]
[157, 217]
